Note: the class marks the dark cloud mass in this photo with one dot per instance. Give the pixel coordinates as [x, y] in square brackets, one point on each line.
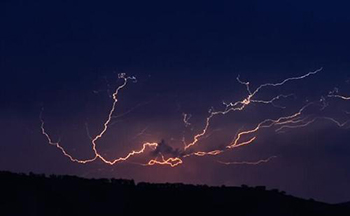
[165, 149]
[65, 56]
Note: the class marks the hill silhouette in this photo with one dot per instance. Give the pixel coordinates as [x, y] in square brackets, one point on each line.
[32, 194]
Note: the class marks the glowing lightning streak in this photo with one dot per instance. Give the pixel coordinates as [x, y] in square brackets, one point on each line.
[340, 96]
[291, 121]
[305, 123]
[173, 162]
[248, 162]
[57, 144]
[267, 123]
[335, 94]
[105, 125]
[240, 105]
[97, 137]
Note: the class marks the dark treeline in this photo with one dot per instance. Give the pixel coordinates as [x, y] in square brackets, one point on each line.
[32, 194]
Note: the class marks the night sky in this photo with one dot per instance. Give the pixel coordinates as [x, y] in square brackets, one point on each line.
[64, 57]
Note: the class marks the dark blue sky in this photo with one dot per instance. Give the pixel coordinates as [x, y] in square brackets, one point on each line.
[65, 56]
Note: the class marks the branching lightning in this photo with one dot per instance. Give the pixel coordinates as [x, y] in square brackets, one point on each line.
[242, 138]
[242, 104]
[97, 155]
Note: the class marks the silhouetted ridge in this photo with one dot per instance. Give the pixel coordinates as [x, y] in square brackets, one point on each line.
[69, 195]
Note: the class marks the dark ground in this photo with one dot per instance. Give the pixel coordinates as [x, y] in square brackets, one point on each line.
[31, 194]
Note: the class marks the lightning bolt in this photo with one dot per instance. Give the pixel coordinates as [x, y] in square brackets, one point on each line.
[248, 162]
[335, 94]
[172, 161]
[242, 138]
[97, 155]
[242, 104]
